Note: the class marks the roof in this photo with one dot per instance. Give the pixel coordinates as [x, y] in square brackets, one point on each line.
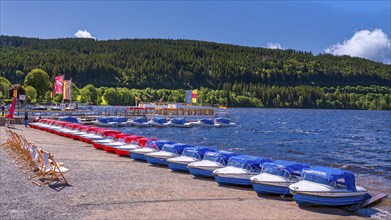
[290, 166]
[254, 162]
[334, 175]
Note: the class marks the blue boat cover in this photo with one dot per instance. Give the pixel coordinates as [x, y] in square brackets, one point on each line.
[197, 152]
[175, 148]
[140, 120]
[246, 161]
[68, 119]
[222, 120]
[178, 120]
[105, 119]
[291, 167]
[221, 156]
[119, 119]
[159, 120]
[335, 175]
[158, 143]
[207, 121]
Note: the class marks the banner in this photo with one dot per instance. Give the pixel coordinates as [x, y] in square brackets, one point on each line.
[188, 96]
[67, 90]
[12, 109]
[194, 96]
[58, 83]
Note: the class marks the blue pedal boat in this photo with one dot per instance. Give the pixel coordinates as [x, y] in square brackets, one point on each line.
[239, 170]
[150, 146]
[276, 177]
[189, 155]
[167, 151]
[328, 187]
[211, 162]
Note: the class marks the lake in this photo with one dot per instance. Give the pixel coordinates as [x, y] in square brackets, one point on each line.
[354, 140]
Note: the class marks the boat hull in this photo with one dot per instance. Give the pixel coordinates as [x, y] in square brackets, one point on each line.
[109, 149]
[155, 160]
[232, 181]
[201, 172]
[304, 199]
[122, 152]
[178, 167]
[269, 189]
[136, 156]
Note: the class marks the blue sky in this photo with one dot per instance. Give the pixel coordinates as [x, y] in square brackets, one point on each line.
[301, 25]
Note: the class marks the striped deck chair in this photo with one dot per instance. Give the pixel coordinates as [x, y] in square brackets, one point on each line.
[53, 169]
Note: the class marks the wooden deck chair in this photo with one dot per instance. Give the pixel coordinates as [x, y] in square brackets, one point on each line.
[17, 148]
[8, 141]
[25, 155]
[36, 168]
[53, 169]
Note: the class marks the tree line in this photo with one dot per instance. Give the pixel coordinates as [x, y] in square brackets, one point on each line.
[116, 71]
[237, 95]
[182, 64]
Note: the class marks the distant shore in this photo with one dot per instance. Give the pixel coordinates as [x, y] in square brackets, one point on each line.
[105, 186]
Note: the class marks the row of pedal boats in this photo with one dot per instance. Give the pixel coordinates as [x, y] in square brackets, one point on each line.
[179, 122]
[308, 185]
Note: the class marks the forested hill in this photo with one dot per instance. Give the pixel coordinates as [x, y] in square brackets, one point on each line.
[158, 63]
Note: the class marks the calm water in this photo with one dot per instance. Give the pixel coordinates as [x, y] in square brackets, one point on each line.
[358, 141]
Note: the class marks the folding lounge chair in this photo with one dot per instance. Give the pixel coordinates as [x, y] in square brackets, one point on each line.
[52, 169]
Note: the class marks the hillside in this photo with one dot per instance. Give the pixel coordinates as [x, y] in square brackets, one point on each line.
[182, 64]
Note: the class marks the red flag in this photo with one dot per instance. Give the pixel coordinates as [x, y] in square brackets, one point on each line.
[58, 81]
[12, 109]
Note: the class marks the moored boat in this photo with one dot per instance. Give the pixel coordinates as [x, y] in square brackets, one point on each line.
[224, 122]
[239, 170]
[139, 122]
[189, 155]
[167, 151]
[180, 123]
[150, 146]
[276, 177]
[110, 122]
[211, 162]
[159, 122]
[205, 122]
[327, 186]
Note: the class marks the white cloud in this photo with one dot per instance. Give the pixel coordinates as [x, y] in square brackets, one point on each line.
[83, 34]
[373, 45]
[271, 45]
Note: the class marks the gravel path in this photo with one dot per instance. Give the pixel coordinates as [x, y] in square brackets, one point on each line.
[105, 186]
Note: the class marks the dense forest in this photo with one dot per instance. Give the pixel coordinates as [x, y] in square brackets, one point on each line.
[227, 74]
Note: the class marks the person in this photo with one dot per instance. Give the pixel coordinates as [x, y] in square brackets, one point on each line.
[26, 119]
[2, 110]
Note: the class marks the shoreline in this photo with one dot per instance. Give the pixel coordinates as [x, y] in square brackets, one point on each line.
[105, 186]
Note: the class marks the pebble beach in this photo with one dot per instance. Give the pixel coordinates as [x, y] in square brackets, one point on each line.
[106, 186]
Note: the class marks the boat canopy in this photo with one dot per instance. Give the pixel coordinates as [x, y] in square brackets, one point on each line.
[291, 167]
[207, 121]
[221, 156]
[158, 143]
[338, 176]
[112, 119]
[222, 120]
[140, 120]
[175, 148]
[178, 121]
[120, 119]
[197, 152]
[159, 120]
[68, 119]
[248, 162]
